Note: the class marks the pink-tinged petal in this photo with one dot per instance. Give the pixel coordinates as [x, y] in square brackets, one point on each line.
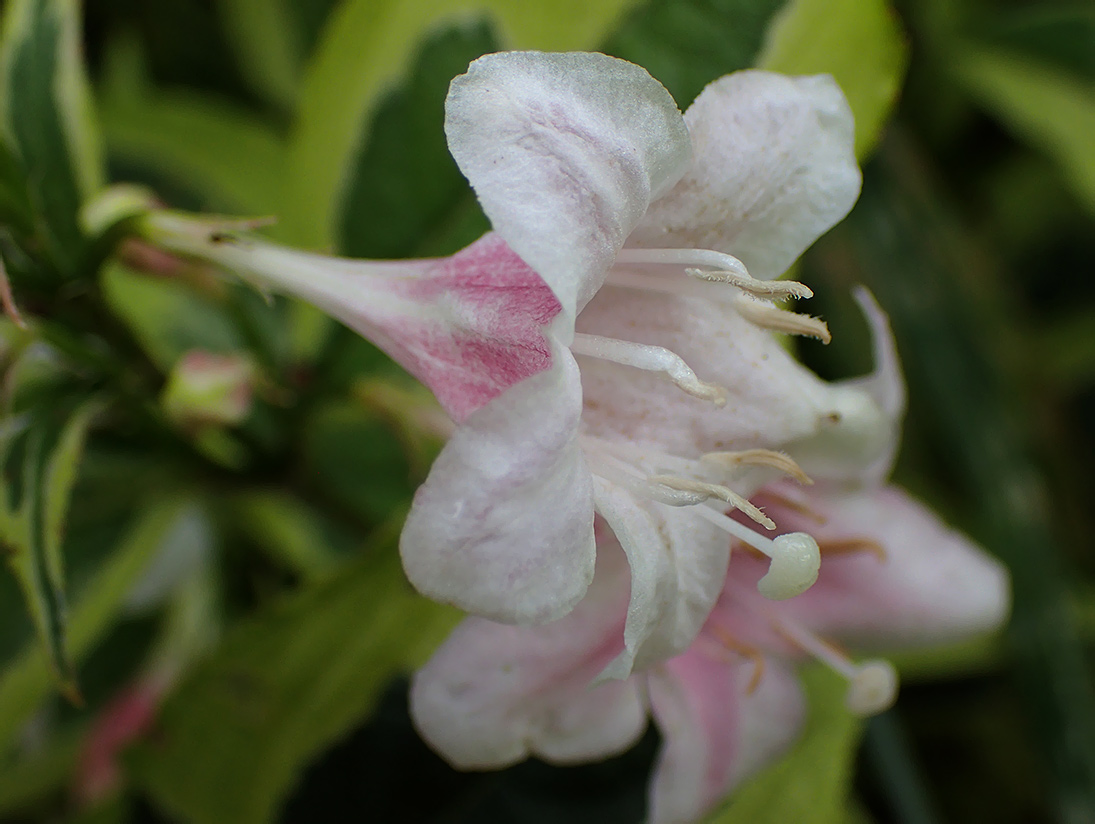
[468, 326]
[678, 563]
[933, 585]
[771, 399]
[494, 694]
[774, 169]
[715, 731]
[565, 151]
[503, 525]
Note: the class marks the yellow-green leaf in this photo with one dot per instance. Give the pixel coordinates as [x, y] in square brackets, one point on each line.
[366, 50]
[858, 42]
[810, 785]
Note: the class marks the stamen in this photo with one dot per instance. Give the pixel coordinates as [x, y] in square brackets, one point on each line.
[755, 656]
[717, 267]
[796, 558]
[771, 289]
[650, 358]
[799, 503]
[872, 684]
[759, 457]
[850, 546]
[715, 491]
[767, 316]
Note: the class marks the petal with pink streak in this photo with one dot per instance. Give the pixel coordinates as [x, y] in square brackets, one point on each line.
[774, 169]
[565, 151]
[678, 563]
[494, 694]
[934, 585]
[715, 731]
[503, 525]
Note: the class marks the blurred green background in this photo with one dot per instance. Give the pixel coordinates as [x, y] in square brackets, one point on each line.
[251, 563]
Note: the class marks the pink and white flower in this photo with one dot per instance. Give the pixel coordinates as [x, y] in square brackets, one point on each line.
[893, 576]
[642, 246]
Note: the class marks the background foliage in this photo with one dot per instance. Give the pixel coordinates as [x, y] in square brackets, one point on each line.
[251, 565]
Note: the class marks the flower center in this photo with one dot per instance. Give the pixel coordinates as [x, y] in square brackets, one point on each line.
[872, 684]
[639, 269]
[795, 557]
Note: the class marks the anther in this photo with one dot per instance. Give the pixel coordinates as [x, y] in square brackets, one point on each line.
[852, 546]
[718, 491]
[872, 684]
[727, 641]
[767, 316]
[795, 557]
[872, 688]
[759, 457]
[651, 359]
[771, 289]
[709, 265]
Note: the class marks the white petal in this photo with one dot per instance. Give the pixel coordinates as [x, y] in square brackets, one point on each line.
[861, 447]
[503, 525]
[715, 732]
[678, 565]
[934, 585]
[565, 151]
[771, 399]
[774, 169]
[494, 694]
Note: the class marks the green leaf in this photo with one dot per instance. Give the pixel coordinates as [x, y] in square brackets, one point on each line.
[1059, 33]
[404, 192]
[15, 206]
[27, 781]
[45, 112]
[27, 680]
[281, 686]
[686, 44]
[215, 150]
[286, 528]
[267, 46]
[32, 530]
[365, 51]
[858, 42]
[168, 317]
[1050, 109]
[810, 785]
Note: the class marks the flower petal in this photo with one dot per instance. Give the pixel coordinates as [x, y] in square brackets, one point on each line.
[565, 151]
[678, 563]
[494, 694]
[774, 169]
[862, 444]
[933, 586]
[503, 525]
[715, 731]
[771, 399]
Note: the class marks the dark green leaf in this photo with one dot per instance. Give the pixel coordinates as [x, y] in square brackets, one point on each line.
[26, 681]
[33, 528]
[404, 190]
[688, 44]
[282, 686]
[46, 111]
